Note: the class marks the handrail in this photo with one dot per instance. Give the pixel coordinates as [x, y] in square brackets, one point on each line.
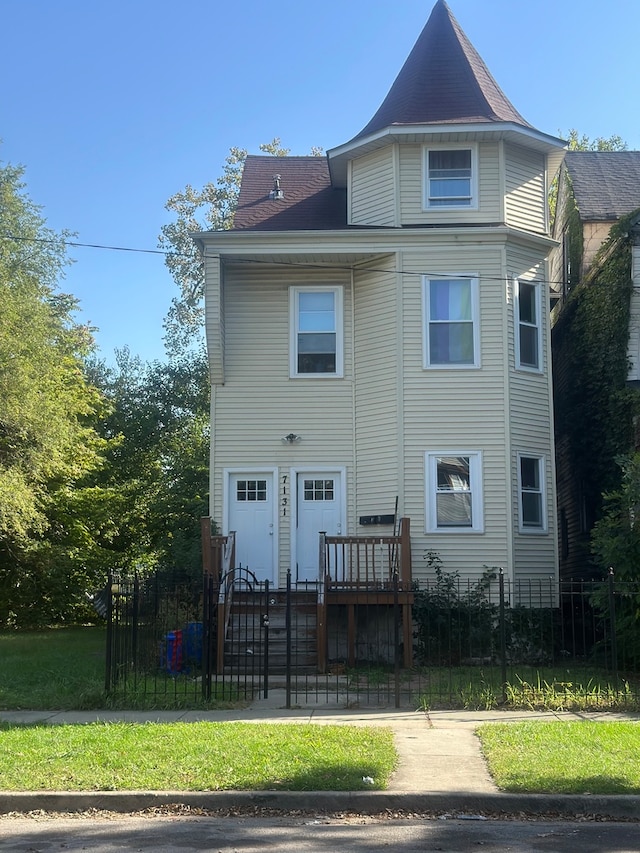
[367, 561]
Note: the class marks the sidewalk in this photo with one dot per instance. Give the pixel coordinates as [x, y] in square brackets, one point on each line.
[441, 768]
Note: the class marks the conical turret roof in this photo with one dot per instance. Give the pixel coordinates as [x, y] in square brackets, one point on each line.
[443, 81]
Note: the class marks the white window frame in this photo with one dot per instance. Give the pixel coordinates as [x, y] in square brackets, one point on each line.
[294, 294]
[427, 202]
[431, 491]
[473, 280]
[520, 365]
[541, 491]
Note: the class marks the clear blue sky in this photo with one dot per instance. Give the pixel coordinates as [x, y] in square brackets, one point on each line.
[114, 106]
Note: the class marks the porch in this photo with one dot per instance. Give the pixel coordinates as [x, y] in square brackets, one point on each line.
[361, 580]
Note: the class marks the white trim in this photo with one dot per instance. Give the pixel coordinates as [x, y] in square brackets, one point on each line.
[294, 292]
[476, 491]
[517, 282]
[473, 204]
[473, 278]
[543, 528]
[293, 479]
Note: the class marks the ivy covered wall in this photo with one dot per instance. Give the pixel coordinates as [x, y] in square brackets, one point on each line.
[594, 406]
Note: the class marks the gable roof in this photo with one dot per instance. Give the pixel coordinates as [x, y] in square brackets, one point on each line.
[606, 184]
[309, 200]
[444, 80]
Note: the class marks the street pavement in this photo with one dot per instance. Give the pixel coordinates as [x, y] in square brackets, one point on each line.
[441, 769]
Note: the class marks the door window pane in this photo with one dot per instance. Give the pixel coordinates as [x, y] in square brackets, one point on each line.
[251, 490]
[318, 490]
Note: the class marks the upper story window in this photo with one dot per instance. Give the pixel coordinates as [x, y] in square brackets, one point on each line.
[450, 329]
[316, 331]
[450, 177]
[528, 325]
[531, 493]
[454, 492]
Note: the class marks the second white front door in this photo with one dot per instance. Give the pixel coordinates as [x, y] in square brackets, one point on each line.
[319, 507]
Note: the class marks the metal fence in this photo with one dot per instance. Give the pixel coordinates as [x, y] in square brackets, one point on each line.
[172, 642]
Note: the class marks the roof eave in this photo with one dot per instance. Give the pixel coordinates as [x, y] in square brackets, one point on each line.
[339, 157]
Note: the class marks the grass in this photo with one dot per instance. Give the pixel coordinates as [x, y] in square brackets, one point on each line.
[194, 757]
[64, 668]
[55, 669]
[563, 757]
[531, 688]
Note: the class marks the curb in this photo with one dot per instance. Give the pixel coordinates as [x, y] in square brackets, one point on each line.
[613, 807]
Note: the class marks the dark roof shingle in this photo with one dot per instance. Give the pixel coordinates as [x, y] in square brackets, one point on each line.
[444, 80]
[310, 202]
[606, 184]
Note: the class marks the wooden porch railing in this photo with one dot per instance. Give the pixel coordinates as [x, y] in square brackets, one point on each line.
[218, 552]
[365, 570]
[366, 562]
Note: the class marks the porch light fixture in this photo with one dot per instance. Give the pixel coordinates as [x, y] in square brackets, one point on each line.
[276, 192]
[292, 438]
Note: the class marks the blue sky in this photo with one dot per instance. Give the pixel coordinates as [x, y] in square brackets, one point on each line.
[114, 106]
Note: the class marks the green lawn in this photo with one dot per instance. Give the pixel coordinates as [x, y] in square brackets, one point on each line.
[573, 757]
[194, 757]
[60, 668]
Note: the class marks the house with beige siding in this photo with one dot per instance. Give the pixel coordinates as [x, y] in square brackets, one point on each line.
[377, 324]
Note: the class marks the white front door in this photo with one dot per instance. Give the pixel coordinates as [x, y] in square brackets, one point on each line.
[319, 505]
[251, 513]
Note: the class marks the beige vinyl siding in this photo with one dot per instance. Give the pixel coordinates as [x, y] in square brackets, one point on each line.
[412, 189]
[372, 197]
[259, 404]
[526, 197]
[458, 410]
[531, 425]
[214, 318]
[377, 372]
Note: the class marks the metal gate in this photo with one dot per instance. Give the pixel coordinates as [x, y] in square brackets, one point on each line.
[174, 641]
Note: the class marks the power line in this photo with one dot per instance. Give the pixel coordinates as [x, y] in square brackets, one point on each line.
[169, 254]
[75, 244]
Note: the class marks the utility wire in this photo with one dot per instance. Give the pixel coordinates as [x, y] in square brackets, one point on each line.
[170, 254]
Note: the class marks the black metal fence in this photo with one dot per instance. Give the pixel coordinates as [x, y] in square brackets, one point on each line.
[177, 643]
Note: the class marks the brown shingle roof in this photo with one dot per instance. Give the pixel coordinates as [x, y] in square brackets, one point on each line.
[606, 184]
[309, 203]
[443, 81]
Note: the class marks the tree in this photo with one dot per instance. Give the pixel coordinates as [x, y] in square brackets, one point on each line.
[157, 464]
[211, 208]
[48, 445]
[578, 142]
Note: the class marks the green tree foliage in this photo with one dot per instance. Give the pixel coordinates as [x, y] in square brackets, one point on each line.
[48, 446]
[210, 208]
[581, 142]
[615, 543]
[615, 539]
[157, 461]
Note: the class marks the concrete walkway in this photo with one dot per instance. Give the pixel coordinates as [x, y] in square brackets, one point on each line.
[441, 768]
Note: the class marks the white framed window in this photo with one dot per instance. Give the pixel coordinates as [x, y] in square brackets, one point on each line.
[528, 314]
[451, 177]
[454, 491]
[531, 491]
[316, 345]
[451, 323]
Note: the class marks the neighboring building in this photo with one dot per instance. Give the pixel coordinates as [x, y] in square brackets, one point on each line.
[596, 337]
[378, 333]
